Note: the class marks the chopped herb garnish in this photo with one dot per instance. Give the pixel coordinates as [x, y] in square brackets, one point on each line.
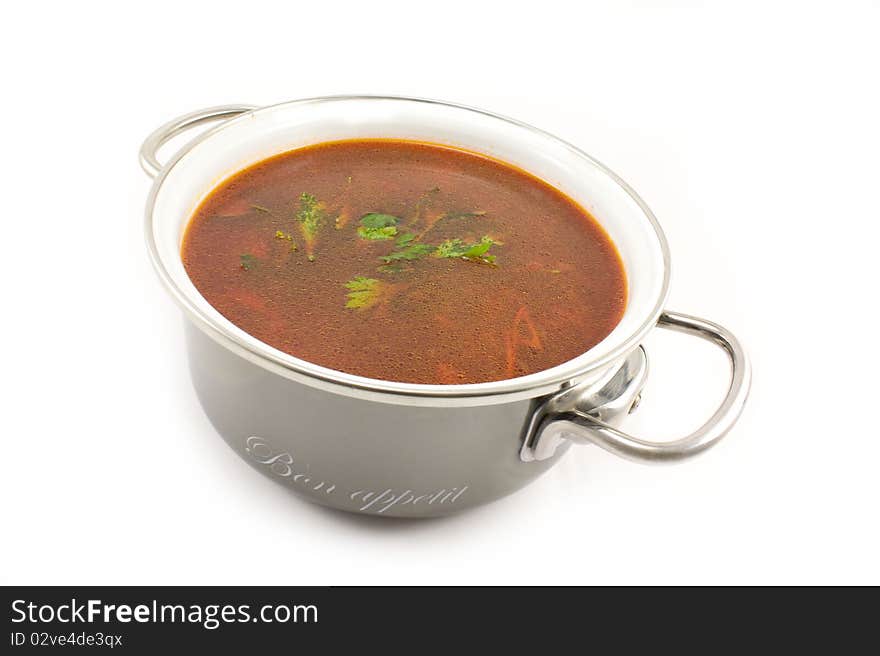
[378, 220]
[405, 239]
[479, 249]
[310, 217]
[260, 208]
[408, 252]
[310, 213]
[247, 261]
[378, 226]
[363, 292]
[451, 248]
[477, 252]
[377, 234]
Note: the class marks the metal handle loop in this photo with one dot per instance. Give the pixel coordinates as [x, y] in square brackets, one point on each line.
[584, 428]
[150, 164]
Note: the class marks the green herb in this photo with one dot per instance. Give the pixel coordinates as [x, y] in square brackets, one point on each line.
[377, 234]
[363, 292]
[477, 252]
[378, 220]
[378, 226]
[310, 217]
[480, 248]
[408, 252]
[405, 239]
[247, 261]
[451, 248]
[310, 213]
[260, 208]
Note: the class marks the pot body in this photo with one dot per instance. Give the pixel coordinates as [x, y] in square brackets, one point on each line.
[397, 449]
[361, 455]
[375, 446]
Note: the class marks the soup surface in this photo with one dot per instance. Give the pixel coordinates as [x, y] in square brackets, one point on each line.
[407, 262]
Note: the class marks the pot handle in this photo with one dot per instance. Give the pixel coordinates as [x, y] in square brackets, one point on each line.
[577, 425]
[164, 133]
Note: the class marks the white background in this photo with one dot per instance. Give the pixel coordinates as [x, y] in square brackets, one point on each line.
[752, 132]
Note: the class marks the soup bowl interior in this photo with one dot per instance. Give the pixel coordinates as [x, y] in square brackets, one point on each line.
[240, 142]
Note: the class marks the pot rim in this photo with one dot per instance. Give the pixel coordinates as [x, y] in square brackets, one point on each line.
[271, 359]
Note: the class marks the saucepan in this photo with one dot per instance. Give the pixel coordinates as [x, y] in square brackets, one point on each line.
[406, 450]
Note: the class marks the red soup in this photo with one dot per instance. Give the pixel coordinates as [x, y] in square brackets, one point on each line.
[406, 261]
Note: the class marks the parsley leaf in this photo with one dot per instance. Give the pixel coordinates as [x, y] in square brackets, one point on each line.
[378, 220]
[363, 292]
[310, 217]
[408, 252]
[477, 252]
[378, 226]
[377, 234]
[405, 239]
[451, 248]
[247, 261]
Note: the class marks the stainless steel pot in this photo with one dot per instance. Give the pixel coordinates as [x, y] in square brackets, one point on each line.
[395, 449]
